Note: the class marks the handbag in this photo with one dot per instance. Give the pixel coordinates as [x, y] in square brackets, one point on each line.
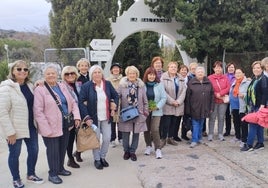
[68, 119]
[86, 138]
[129, 113]
[225, 98]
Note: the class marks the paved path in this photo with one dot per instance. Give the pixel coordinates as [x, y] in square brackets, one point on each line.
[214, 164]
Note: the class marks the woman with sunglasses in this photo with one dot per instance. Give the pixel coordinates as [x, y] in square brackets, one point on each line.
[69, 75]
[17, 122]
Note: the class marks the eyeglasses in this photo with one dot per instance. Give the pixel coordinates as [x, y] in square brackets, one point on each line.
[24, 69]
[69, 73]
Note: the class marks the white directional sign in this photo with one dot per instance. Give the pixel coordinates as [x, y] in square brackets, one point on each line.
[100, 55]
[101, 44]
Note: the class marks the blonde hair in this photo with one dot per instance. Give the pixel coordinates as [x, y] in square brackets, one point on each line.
[172, 63]
[82, 60]
[264, 61]
[69, 69]
[256, 63]
[193, 64]
[132, 68]
[15, 64]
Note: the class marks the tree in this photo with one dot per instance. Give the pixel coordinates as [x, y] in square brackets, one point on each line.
[212, 26]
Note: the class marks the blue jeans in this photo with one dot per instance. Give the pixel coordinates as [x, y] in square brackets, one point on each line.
[15, 150]
[197, 129]
[255, 129]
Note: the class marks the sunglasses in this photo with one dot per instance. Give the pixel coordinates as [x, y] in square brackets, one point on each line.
[24, 69]
[69, 73]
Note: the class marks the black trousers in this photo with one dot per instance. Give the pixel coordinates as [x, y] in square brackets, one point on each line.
[167, 124]
[241, 127]
[177, 127]
[113, 135]
[70, 146]
[228, 123]
[56, 150]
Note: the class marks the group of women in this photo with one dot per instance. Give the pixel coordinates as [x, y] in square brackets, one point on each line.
[162, 99]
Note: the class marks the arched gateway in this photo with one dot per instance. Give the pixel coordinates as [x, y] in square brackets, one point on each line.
[139, 18]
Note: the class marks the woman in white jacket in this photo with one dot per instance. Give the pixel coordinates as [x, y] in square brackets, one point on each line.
[17, 122]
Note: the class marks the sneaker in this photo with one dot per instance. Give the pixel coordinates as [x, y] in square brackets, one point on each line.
[35, 179]
[148, 150]
[201, 142]
[18, 184]
[113, 144]
[235, 140]
[259, 146]
[210, 137]
[158, 154]
[193, 144]
[221, 138]
[246, 148]
[242, 144]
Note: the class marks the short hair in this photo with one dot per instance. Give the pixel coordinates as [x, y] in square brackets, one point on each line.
[257, 62]
[201, 68]
[150, 70]
[15, 64]
[241, 69]
[217, 63]
[132, 68]
[157, 58]
[229, 64]
[264, 61]
[183, 67]
[193, 64]
[82, 60]
[172, 63]
[69, 69]
[93, 68]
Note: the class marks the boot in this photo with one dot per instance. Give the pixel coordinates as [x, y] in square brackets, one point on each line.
[78, 156]
[163, 142]
[72, 163]
[171, 141]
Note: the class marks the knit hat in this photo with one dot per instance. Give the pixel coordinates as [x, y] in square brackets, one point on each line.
[92, 69]
[115, 64]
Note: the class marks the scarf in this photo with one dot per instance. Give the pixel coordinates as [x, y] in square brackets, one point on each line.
[251, 95]
[132, 96]
[236, 87]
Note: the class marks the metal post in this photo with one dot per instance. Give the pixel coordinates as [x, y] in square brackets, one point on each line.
[6, 48]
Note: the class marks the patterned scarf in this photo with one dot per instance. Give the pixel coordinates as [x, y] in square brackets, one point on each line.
[251, 95]
[236, 87]
[132, 96]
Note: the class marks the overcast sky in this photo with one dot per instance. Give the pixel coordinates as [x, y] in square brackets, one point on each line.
[24, 15]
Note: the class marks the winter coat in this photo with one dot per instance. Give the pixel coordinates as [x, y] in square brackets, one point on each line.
[160, 99]
[88, 99]
[260, 117]
[138, 124]
[13, 110]
[169, 86]
[199, 98]
[243, 90]
[115, 82]
[220, 85]
[47, 113]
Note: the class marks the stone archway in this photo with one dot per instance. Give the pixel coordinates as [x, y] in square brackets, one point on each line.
[139, 18]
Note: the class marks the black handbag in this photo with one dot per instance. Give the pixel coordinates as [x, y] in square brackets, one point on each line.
[68, 119]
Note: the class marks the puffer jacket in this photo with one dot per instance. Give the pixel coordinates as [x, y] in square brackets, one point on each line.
[138, 124]
[13, 110]
[169, 86]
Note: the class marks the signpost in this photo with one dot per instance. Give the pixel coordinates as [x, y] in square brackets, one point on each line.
[101, 50]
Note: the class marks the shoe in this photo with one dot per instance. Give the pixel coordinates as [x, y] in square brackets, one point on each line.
[148, 150]
[64, 173]
[242, 144]
[221, 138]
[72, 163]
[185, 138]
[235, 140]
[201, 142]
[78, 156]
[113, 144]
[210, 137]
[98, 164]
[55, 179]
[18, 184]
[163, 142]
[133, 156]
[172, 142]
[193, 144]
[259, 146]
[126, 155]
[158, 154]
[205, 134]
[246, 148]
[177, 139]
[35, 179]
[104, 162]
[226, 134]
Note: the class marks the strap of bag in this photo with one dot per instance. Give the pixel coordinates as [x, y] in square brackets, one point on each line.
[218, 84]
[54, 97]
